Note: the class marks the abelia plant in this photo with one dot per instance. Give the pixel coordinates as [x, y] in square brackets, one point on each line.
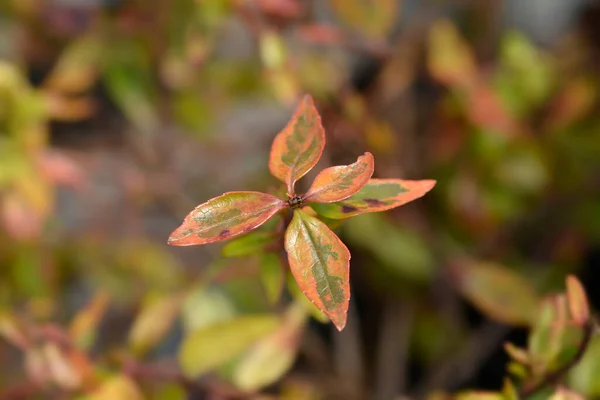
[318, 259]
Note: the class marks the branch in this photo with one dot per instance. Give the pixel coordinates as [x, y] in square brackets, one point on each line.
[554, 377]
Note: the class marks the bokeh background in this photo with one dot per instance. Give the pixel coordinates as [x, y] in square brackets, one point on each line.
[117, 117]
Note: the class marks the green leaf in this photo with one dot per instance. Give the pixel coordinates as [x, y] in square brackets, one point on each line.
[338, 183]
[403, 252]
[273, 356]
[298, 147]
[376, 195]
[119, 387]
[497, 291]
[226, 216]
[212, 346]
[206, 306]
[584, 376]
[372, 18]
[320, 264]
[249, 244]
[272, 276]
[479, 395]
[130, 84]
[153, 322]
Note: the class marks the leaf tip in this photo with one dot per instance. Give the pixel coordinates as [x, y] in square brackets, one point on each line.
[339, 321]
[428, 184]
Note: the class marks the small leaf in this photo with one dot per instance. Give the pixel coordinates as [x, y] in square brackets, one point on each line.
[61, 369]
[377, 195]
[206, 305]
[226, 216]
[210, 347]
[479, 395]
[450, 59]
[84, 325]
[153, 323]
[498, 292]
[272, 276]
[516, 353]
[119, 387]
[578, 304]
[274, 355]
[319, 262]
[298, 147]
[246, 245]
[339, 183]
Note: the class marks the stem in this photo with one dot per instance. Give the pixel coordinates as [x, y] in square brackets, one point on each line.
[553, 378]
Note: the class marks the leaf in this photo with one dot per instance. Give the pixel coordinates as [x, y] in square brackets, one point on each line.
[61, 369]
[584, 376]
[497, 291]
[226, 216]
[84, 325]
[450, 59]
[120, 387]
[272, 276]
[338, 183]
[153, 323]
[298, 147]
[578, 304]
[479, 395]
[246, 245]
[210, 347]
[319, 262]
[372, 18]
[402, 251]
[206, 305]
[273, 356]
[377, 195]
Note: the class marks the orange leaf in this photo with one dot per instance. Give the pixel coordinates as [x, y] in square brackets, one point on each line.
[339, 183]
[376, 195]
[578, 304]
[320, 263]
[298, 147]
[226, 216]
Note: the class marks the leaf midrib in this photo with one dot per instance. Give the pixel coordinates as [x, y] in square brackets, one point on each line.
[320, 260]
[224, 222]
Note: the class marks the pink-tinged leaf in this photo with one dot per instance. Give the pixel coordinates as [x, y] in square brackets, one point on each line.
[578, 304]
[376, 195]
[320, 263]
[298, 147]
[226, 216]
[338, 183]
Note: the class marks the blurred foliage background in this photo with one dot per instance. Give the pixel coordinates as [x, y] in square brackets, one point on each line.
[117, 117]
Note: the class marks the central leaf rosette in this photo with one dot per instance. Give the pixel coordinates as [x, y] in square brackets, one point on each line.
[318, 259]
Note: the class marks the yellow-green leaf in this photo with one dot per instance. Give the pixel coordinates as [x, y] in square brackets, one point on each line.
[214, 345]
[450, 60]
[320, 264]
[153, 323]
[373, 18]
[376, 195]
[298, 147]
[273, 356]
[246, 245]
[120, 387]
[272, 276]
[498, 292]
[226, 216]
[338, 183]
[84, 325]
